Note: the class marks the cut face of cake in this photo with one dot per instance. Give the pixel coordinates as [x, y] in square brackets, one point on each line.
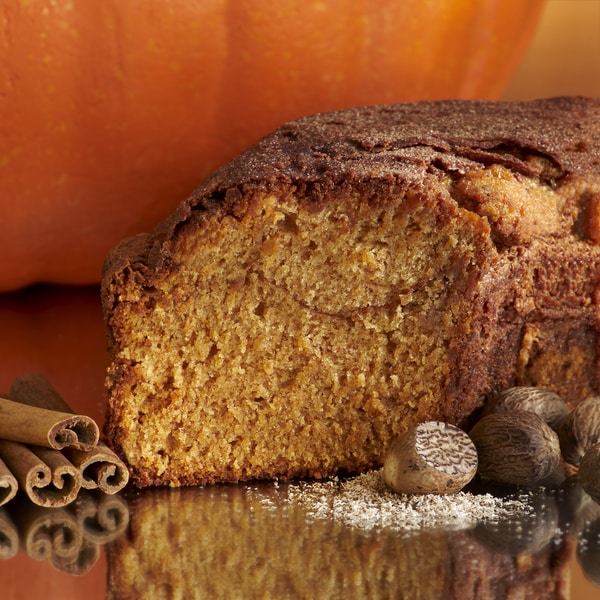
[350, 275]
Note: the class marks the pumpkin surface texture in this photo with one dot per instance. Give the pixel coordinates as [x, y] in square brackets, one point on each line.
[113, 111]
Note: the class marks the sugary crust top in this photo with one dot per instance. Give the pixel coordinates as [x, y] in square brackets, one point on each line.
[384, 143]
[366, 141]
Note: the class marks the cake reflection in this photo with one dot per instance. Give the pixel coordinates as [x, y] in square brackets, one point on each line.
[246, 541]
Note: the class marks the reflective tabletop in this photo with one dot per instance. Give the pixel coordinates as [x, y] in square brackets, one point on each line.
[253, 540]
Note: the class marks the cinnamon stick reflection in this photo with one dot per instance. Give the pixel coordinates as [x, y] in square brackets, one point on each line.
[101, 518]
[70, 537]
[100, 467]
[9, 536]
[48, 534]
[55, 536]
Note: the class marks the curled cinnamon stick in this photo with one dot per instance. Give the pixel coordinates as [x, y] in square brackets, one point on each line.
[100, 467]
[8, 484]
[36, 414]
[35, 390]
[45, 475]
[24, 423]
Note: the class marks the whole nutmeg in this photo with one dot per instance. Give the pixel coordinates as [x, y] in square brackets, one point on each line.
[431, 458]
[544, 403]
[580, 430]
[589, 472]
[515, 447]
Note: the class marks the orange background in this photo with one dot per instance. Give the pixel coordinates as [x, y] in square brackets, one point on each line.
[58, 332]
[564, 57]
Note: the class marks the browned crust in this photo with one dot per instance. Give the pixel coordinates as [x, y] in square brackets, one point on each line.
[318, 152]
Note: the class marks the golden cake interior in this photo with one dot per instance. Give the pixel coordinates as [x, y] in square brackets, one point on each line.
[297, 338]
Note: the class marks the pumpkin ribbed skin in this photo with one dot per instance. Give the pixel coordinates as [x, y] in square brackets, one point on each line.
[113, 111]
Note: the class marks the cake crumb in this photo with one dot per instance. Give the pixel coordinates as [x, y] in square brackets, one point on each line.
[365, 503]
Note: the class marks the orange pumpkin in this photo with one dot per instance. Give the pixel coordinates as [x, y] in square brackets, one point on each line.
[112, 111]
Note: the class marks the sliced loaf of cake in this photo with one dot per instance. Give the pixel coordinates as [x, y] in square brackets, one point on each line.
[350, 275]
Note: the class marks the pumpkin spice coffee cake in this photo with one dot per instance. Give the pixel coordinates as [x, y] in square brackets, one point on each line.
[350, 275]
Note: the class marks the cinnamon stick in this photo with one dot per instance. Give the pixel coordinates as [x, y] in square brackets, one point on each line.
[35, 390]
[100, 467]
[28, 424]
[30, 417]
[45, 475]
[8, 484]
